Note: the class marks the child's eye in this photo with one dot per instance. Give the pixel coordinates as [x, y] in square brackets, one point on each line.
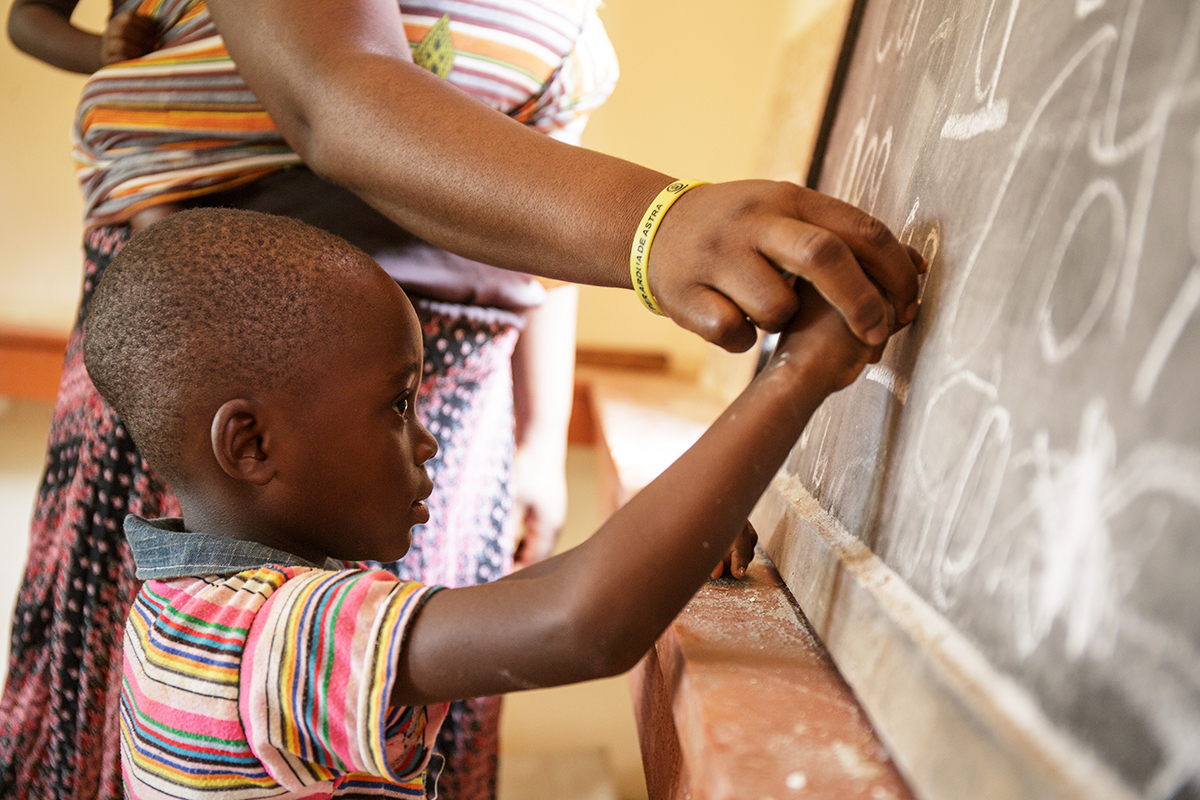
[401, 406]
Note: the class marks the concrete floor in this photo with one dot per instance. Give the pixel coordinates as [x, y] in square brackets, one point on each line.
[570, 743]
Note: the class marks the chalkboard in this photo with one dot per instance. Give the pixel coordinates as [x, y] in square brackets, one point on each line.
[1026, 457]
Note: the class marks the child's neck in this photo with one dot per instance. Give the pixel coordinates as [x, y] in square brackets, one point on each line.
[232, 520]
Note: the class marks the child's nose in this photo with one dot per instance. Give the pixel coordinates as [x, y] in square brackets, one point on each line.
[427, 445]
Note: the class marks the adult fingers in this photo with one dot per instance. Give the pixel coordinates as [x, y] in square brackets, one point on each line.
[825, 260]
[715, 318]
[134, 22]
[141, 27]
[128, 36]
[893, 266]
[760, 291]
[917, 258]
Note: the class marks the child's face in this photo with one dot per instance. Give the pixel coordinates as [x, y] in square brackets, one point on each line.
[353, 463]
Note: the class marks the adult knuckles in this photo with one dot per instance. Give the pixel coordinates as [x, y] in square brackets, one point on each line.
[729, 331]
[822, 250]
[794, 197]
[874, 232]
[776, 316]
[803, 202]
[830, 261]
[865, 311]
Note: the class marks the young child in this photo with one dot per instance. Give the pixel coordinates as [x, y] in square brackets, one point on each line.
[269, 371]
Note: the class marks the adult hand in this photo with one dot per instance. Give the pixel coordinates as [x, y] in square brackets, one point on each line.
[128, 35]
[543, 369]
[540, 505]
[723, 256]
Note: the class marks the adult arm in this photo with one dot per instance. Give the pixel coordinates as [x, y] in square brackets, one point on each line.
[543, 367]
[334, 78]
[43, 29]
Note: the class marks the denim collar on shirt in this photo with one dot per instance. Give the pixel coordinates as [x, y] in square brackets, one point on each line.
[163, 549]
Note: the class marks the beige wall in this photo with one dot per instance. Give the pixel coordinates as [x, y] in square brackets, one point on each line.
[40, 208]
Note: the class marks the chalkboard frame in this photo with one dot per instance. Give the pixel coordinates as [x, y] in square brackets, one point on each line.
[836, 85]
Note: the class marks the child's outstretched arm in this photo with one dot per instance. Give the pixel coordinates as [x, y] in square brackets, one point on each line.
[595, 610]
[43, 29]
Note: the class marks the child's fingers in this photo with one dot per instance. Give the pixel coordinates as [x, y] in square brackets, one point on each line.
[743, 550]
[741, 553]
[719, 569]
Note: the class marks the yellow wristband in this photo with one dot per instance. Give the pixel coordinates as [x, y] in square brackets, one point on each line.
[639, 255]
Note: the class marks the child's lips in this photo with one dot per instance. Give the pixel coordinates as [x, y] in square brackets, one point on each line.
[420, 510]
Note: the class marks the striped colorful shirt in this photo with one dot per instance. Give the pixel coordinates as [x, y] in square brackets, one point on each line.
[273, 682]
[180, 122]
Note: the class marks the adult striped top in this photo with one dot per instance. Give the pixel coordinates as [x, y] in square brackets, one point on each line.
[272, 682]
[180, 122]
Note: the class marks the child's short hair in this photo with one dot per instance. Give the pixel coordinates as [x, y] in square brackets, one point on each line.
[208, 302]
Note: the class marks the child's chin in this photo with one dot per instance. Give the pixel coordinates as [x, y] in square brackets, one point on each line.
[400, 550]
[384, 555]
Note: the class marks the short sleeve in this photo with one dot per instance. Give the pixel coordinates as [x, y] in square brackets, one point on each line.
[317, 675]
[585, 80]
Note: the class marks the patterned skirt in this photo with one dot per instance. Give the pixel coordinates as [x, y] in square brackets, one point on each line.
[59, 711]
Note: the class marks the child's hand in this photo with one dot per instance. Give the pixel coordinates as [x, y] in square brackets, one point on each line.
[129, 35]
[740, 554]
[818, 340]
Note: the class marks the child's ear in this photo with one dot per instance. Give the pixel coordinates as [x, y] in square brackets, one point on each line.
[240, 442]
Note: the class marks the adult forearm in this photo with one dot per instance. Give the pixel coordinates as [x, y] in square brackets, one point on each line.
[441, 164]
[543, 377]
[523, 201]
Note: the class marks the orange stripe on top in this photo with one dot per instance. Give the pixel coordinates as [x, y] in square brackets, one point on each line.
[198, 121]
